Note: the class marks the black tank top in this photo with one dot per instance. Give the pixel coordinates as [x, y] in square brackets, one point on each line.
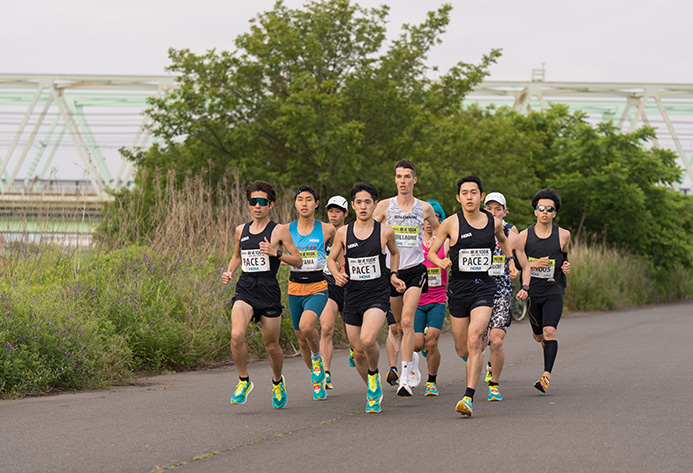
[472, 255]
[365, 263]
[551, 280]
[254, 263]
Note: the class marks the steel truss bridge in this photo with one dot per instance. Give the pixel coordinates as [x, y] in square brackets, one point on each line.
[49, 120]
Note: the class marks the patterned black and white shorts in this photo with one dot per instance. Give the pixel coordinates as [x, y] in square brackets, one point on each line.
[500, 317]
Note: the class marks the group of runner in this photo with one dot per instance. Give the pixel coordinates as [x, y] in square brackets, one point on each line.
[399, 260]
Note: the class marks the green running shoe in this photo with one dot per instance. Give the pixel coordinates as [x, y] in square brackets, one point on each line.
[373, 406]
[279, 394]
[431, 389]
[319, 391]
[464, 407]
[351, 357]
[488, 373]
[494, 394]
[375, 389]
[318, 375]
[424, 350]
[328, 380]
[243, 388]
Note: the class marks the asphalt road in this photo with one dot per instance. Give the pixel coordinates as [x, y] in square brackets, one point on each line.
[619, 400]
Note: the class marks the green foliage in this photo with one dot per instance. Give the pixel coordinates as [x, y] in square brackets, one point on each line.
[311, 92]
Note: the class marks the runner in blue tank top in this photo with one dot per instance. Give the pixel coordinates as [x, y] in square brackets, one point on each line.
[546, 246]
[367, 282]
[470, 288]
[258, 250]
[307, 284]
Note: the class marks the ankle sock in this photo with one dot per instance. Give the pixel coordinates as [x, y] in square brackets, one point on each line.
[432, 378]
[469, 393]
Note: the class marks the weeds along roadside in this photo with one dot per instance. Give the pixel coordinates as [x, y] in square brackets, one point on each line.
[147, 294]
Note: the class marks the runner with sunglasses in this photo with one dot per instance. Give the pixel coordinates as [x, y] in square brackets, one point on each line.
[307, 285]
[406, 215]
[258, 251]
[546, 246]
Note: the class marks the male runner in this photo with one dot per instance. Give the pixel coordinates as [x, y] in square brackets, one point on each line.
[503, 270]
[406, 214]
[470, 288]
[367, 288]
[307, 284]
[258, 250]
[546, 245]
[430, 314]
[337, 210]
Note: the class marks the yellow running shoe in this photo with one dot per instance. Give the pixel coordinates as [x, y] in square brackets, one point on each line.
[464, 407]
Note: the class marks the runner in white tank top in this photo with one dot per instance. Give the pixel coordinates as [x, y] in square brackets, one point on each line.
[406, 215]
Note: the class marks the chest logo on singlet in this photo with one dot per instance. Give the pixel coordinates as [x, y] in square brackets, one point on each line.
[466, 235]
[364, 269]
[245, 238]
[543, 273]
[352, 245]
[474, 260]
[254, 261]
[406, 236]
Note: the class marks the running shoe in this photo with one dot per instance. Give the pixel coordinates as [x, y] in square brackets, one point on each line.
[414, 373]
[328, 380]
[318, 375]
[279, 394]
[404, 389]
[488, 373]
[494, 394]
[464, 407]
[373, 406]
[543, 383]
[375, 388]
[431, 389]
[392, 376]
[319, 391]
[424, 350]
[351, 357]
[243, 388]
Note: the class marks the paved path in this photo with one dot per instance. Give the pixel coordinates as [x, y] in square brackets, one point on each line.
[619, 401]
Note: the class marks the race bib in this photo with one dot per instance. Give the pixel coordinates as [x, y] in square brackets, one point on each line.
[543, 273]
[310, 261]
[475, 260]
[364, 269]
[435, 277]
[407, 237]
[253, 261]
[498, 266]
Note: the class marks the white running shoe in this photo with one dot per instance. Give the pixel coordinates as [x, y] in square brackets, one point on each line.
[404, 389]
[414, 373]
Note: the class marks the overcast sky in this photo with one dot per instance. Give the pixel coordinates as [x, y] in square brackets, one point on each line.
[587, 40]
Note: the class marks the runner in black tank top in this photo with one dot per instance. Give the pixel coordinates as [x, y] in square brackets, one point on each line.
[470, 287]
[366, 300]
[258, 250]
[546, 246]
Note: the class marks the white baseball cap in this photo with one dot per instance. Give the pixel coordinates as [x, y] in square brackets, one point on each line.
[496, 197]
[338, 201]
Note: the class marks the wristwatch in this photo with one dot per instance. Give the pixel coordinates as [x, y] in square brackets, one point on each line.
[525, 287]
[394, 273]
[279, 253]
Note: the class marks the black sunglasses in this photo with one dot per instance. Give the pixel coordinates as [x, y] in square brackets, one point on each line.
[253, 201]
[548, 208]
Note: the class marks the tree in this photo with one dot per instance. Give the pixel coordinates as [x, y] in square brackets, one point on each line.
[310, 95]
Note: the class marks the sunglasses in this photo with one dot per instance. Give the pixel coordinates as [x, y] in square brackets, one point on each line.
[253, 201]
[548, 208]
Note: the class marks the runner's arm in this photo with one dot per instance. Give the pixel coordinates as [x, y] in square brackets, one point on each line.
[333, 258]
[441, 237]
[235, 261]
[291, 256]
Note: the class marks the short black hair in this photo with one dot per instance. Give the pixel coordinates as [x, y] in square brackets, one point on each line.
[261, 186]
[307, 188]
[474, 179]
[364, 186]
[551, 194]
[406, 164]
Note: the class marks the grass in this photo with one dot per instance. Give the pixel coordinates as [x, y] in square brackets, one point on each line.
[147, 295]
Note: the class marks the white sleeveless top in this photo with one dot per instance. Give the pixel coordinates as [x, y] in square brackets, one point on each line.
[408, 227]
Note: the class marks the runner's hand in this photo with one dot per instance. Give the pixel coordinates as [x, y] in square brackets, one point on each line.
[541, 262]
[565, 267]
[266, 248]
[340, 278]
[521, 295]
[400, 285]
[226, 277]
[513, 270]
[445, 263]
